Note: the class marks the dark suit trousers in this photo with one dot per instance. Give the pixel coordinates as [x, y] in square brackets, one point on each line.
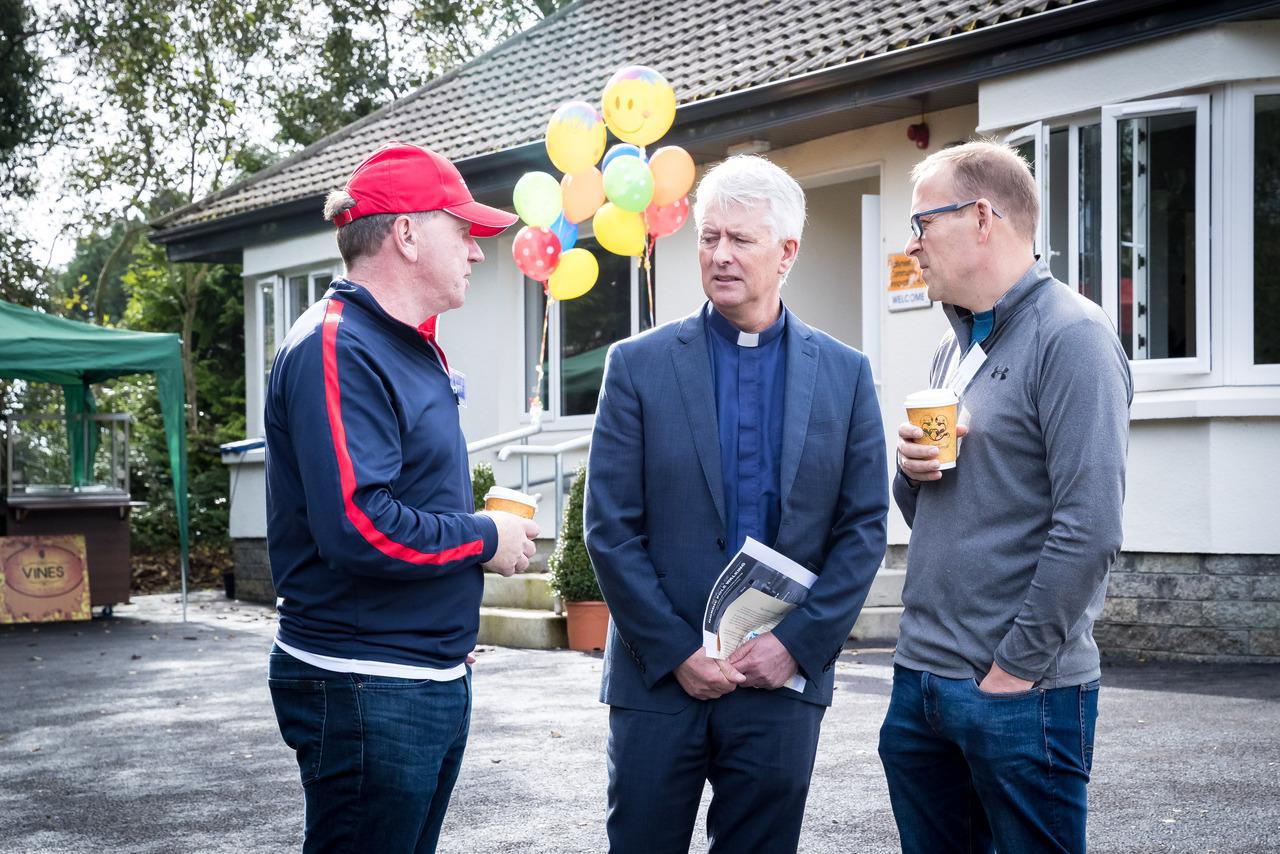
[756, 747]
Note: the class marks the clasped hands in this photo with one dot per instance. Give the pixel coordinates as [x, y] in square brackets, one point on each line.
[762, 662]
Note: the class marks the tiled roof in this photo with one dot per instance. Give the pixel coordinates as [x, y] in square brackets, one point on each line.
[704, 48]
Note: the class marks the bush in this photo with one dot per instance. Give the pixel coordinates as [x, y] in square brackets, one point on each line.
[571, 574]
[481, 480]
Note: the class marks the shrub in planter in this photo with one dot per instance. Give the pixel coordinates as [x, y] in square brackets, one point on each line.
[571, 574]
[573, 578]
[481, 480]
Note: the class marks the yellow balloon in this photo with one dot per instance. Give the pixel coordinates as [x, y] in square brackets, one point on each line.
[575, 275]
[575, 137]
[673, 173]
[639, 105]
[583, 194]
[620, 232]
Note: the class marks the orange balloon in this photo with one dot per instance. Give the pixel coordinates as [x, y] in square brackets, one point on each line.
[583, 194]
[673, 173]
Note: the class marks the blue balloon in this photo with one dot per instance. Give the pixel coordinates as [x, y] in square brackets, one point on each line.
[566, 231]
[622, 149]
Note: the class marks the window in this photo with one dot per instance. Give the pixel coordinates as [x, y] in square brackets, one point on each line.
[267, 323]
[1266, 229]
[1155, 230]
[276, 303]
[579, 333]
[1252, 262]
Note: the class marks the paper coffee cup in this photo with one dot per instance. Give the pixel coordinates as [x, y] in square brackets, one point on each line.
[510, 501]
[936, 411]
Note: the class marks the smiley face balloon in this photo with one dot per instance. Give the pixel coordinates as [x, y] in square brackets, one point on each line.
[639, 105]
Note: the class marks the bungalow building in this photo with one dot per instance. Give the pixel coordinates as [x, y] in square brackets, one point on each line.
[1154, 130]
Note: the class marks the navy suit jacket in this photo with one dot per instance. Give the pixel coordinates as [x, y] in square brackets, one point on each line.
[655, 519]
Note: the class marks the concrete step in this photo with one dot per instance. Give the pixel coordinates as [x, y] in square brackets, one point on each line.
[522, 628]
[886, 590]
[525, 590]
[878, 622]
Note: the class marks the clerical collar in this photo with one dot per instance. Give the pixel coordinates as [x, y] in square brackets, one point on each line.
[729, 332]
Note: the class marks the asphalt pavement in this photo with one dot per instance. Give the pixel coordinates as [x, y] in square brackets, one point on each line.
[145, 734]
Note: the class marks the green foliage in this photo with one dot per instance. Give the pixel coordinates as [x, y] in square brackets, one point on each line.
[155, 287]
[572, 576]
[482, 480]
[25, 115]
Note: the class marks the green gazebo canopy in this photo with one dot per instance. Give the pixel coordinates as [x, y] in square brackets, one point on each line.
[43, 348]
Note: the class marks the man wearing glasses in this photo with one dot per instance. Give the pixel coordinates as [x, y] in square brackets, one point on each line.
[988, 740]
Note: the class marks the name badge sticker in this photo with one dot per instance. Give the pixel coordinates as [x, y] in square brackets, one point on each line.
[458, 382]
[967, 370]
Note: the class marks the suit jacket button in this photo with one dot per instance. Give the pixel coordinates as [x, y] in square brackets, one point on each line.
[720, 543]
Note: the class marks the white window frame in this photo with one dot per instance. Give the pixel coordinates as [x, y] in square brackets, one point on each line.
[1238, 231]
[283, 294]
[552, 415]
[1176, 372]
[256, 366]
[1038, 134]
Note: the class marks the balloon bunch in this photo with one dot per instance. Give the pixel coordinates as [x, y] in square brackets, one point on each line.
[631, 198]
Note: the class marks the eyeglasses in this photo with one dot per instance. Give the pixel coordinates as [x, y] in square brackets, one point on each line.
[917, 219]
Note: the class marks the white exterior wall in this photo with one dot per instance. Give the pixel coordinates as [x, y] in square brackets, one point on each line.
[1189, 485]
[1233, 51]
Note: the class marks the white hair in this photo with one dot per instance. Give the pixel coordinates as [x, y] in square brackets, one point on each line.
[751, 180]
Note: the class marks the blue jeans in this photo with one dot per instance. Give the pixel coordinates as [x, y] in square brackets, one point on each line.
[975, 772]
[378, 755]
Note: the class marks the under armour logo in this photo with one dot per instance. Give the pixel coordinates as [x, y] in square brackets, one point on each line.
[1000, 372]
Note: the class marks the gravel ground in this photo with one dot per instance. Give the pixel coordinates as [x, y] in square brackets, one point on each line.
[144, 734]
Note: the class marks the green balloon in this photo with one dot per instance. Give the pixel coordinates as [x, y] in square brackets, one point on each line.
[628, 183]
[537, 198]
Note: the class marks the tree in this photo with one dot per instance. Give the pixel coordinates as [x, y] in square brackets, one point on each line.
[29, 119]
[368, 53]
[172, 73]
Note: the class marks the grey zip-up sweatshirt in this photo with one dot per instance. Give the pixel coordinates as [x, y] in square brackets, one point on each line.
[1010, 551]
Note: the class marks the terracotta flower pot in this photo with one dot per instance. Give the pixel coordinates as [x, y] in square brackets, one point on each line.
[588, 625]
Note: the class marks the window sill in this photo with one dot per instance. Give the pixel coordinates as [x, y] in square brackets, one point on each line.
[1218, 402]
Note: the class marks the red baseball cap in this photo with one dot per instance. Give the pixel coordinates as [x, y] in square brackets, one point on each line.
[402, 178]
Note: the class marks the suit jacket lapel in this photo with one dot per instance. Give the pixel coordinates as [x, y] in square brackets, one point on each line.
[693, 372]
[802, 376]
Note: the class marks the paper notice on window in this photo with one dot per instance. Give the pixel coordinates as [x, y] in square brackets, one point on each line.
[755, 591]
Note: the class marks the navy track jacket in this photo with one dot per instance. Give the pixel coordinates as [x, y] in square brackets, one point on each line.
[374, 547]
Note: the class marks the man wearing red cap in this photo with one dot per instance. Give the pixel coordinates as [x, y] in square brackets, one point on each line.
[376, 551]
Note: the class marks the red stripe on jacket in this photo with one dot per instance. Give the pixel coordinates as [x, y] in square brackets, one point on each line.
[347, 473]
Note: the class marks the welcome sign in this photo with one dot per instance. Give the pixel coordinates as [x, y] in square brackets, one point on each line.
[44, 579]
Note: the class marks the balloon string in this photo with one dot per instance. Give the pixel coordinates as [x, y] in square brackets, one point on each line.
[536, 401]
[647, 263]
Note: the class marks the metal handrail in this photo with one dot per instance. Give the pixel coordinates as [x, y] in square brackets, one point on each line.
[558, 451]
[503, 438]
[522, 435]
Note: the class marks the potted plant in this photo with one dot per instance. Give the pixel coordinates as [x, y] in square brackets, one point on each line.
[481, 480]
[573, 579]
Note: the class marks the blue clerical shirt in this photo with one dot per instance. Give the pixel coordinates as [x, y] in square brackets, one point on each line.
[749, 373]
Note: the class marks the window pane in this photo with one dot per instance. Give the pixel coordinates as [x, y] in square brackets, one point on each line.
[1157, 195]
[535, 306]
[297, 299]
[1090, 202]
[1266, 230]
[1028, 151]
[1059, 171]
[319, 284]
[268, 324]
[588, 325]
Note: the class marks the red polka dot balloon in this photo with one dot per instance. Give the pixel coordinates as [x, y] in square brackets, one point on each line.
[661, 220]
[536, 252]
